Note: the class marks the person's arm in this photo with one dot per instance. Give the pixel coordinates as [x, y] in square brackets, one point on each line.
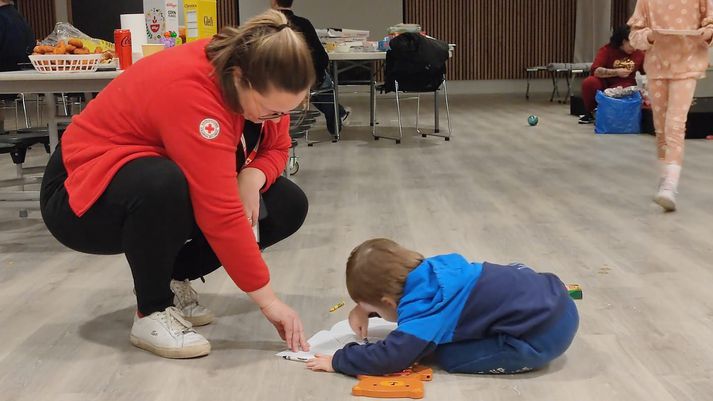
[707, 21]
[640, 36]
[201, 138]
[273, 153]
[601, 61]
[602, 72]
[398, 351]
[320, 56]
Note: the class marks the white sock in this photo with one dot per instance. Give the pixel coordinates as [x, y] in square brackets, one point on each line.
[662, 168]
[673, 174]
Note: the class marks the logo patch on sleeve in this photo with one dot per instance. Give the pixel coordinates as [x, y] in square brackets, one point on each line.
[209, 128]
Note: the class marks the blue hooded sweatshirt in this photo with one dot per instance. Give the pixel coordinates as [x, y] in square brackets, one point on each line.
[447, 299]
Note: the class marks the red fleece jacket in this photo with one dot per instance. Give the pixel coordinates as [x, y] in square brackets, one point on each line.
[170, 105]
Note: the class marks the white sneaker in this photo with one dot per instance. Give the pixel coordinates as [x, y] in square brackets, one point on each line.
[168, 335]
[666, 196]
[186, 301]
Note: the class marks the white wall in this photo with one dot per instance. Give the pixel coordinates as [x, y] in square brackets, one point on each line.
[61, 12]
[373, 15]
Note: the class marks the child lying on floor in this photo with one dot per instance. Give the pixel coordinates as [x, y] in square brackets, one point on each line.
[469, 317]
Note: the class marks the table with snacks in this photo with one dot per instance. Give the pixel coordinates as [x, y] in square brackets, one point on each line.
[49, 84]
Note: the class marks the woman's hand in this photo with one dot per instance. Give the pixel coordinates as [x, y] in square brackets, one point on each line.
[250, 181]
[359, 321]
[320, 363]
[285, 319]
[706, 34]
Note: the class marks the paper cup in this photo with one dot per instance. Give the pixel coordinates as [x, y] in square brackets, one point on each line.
[150, 49]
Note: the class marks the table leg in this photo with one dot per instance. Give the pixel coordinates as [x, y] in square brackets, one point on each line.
[372, 95]
[569, 89]
[335, 79]
[52, 120]
[436, 118]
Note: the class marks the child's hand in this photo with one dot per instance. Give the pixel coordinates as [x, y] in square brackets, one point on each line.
[359, 321]
[706, 34]
[320, 363]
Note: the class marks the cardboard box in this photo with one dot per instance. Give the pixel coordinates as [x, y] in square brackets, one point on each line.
[161, 17]
[201, 17]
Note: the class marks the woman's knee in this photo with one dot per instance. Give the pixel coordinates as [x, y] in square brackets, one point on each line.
[592, 83]
[288, 202]
[154, 189]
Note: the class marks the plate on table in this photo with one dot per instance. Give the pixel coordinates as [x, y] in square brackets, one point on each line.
[678, 32]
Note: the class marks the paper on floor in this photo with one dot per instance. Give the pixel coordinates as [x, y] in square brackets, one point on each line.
[329, 341]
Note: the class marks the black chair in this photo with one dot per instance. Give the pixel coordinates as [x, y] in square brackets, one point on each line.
[17, 144]
[416, 64]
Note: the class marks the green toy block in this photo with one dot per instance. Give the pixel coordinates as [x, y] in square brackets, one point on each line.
[575, 291]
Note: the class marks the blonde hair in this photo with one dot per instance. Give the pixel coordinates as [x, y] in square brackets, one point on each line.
[269, 53]
[378, 268]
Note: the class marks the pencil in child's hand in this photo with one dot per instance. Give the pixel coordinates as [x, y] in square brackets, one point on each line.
[337, 306]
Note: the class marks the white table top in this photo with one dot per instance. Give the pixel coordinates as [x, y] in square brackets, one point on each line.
[366, 56]
[36, 82]
[31, 75]
[355, 56]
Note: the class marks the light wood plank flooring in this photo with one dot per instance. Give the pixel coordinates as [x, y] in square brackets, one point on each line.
[554, 196]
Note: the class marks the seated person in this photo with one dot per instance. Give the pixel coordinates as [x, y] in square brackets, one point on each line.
[470, 317]
[323, 102]
[615, 65]
[16, 38]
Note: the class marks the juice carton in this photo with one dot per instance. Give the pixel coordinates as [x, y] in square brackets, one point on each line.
[201, 18]
[161, 17]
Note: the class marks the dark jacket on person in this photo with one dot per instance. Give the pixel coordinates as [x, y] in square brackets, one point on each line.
[16, 39]
[319, 55]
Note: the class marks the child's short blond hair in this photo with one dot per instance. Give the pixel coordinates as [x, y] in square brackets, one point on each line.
[378, 268]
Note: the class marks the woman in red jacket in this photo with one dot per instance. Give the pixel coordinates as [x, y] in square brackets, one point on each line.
[167, 165]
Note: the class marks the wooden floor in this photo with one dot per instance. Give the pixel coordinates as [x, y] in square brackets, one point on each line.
[555, 196]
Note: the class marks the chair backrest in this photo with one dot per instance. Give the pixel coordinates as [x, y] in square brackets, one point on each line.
[417, 62]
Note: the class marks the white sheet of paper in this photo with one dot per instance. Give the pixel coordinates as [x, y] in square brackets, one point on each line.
[329, 341]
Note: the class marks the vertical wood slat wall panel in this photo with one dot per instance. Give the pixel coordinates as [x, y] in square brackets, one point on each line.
[619, 12]
[498, 39]
[40, 14]
[227, 13]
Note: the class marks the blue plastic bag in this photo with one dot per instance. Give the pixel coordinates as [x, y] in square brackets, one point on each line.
[618, 115]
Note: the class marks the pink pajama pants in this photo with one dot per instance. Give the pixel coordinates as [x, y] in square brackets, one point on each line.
[670, 101]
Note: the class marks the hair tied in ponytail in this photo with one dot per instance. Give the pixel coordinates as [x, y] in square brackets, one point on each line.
[278, 28]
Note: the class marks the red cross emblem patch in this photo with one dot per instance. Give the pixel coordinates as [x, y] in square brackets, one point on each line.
[209, 128]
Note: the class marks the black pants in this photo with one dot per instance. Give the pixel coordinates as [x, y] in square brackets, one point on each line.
[146, 214]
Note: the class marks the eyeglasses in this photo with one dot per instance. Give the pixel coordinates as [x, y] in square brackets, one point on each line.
[300, 110]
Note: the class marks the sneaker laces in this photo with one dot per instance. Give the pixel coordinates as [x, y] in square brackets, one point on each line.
[185, 293]
[175, 322]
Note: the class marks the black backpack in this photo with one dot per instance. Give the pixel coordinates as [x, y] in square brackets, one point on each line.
[417, 62]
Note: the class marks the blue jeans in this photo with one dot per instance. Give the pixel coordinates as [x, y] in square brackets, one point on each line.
[325, 103]
[505, 354]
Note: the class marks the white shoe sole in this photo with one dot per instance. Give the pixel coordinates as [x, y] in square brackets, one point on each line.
[191, 351]
[200, 320]
[665, 203]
